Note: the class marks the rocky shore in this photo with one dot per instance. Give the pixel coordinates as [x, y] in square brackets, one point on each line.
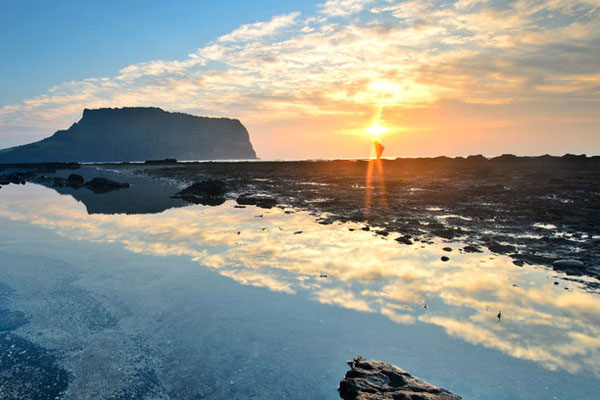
[538, 210]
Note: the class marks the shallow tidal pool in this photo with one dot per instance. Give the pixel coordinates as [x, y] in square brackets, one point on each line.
[244, 303]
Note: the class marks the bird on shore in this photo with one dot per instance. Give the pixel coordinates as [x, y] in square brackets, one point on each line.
[499, 315]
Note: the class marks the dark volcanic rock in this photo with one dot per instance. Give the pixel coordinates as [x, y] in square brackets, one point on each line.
[166, 161]
[210, 193]
[259, 201]
[137, 134]
[103, 185]
[75, 180]
[375, 380]
[406, 239]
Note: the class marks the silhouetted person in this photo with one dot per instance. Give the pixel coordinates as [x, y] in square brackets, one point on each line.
[378, 149]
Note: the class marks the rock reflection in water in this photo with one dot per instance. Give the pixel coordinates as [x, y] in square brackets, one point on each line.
[541, 321]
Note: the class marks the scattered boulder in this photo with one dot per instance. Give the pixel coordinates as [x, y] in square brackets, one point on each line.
[472, 249]
[448, 249]
[444, 258]
[498, 248]
[375, 380]
[406, 239]
[17, 178]
[210, 193]
[75, 181]
[103, 185]
[567, 265]
[258, 201]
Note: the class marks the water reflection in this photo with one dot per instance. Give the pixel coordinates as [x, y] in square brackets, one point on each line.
[290, 253]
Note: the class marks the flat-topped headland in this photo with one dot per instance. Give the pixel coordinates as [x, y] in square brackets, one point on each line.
[138, 134]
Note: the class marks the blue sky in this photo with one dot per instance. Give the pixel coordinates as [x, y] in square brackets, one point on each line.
[47, 42]
[308, 78]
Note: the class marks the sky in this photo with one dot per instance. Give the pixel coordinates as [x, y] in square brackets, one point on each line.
[308, 78]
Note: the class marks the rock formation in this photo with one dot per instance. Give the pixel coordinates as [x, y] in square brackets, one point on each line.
[375, 380]
[138, 134]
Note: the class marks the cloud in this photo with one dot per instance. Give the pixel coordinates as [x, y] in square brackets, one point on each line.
[343, 7]
[320, 72]
[259, 30]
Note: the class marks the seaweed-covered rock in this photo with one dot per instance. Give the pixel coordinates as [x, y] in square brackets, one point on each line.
[376, 380]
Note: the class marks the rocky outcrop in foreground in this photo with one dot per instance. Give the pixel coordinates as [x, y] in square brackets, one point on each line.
[375, 380]
[138, 134]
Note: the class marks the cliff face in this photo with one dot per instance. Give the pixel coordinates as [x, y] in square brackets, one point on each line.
[138, 134]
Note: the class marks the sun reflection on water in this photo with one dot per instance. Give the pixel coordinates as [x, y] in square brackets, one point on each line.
[354, 269]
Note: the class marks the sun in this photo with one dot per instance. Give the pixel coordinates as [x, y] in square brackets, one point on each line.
[376, 130]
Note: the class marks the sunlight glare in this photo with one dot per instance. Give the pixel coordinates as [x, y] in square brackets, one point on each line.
[376, 130]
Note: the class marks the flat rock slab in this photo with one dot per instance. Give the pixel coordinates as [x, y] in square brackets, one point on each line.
[376, 380]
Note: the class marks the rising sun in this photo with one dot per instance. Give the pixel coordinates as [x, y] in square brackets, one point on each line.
[376, 130]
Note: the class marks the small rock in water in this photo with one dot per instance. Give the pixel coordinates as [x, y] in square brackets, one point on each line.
[567, 264]
[103, 185]
[375, 380]
[472, 249]
[406, 239]
[75, 180]
[248, 199]
[444, 258]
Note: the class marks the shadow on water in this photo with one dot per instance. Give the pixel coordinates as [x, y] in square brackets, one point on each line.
[143, 196]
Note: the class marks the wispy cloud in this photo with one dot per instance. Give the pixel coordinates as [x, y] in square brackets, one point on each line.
[391, 55]
[343, 7]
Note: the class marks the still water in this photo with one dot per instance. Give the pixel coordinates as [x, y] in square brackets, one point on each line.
[245, 303]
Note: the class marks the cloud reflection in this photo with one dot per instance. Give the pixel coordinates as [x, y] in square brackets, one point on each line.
[358, 270]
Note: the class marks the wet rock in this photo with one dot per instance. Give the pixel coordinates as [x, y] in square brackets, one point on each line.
[444, 258]
[472, 249]
[448, 249]
[568, 264]
[406, 239]
[103, 185]
[75, 180]
[375, 380]
[210, 193]
[258, 201]
[208, 188]
[498, 248]
[17, 178]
